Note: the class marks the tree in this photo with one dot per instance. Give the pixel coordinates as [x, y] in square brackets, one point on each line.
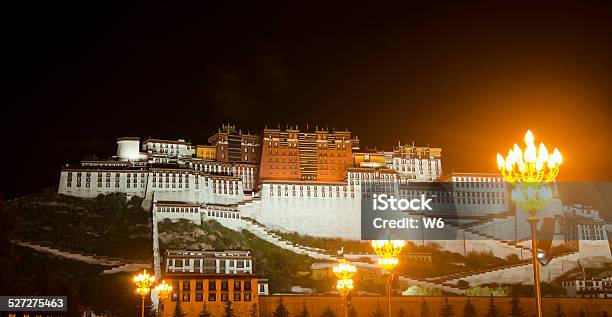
[492, 310]
[254, 310]
[328, 313]
[469, 310]
[447, 309]
[401, 312]
[204, 312]
[178, 310]
[425, 309]
[281, 309]
[304, 312]
[228, 311]
[558, 311]
[515, 308]
[352, 312]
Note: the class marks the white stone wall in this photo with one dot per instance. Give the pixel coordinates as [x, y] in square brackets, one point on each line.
[92, 182]
[176, 212]
[311, 209]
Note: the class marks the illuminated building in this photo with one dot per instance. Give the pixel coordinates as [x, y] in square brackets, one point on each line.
[206, 152]
[417, 163]
[219, 262]
[588, 287]
[198, 290]
[366, 158]
[210, 279]
[233, 146]
[294, 155]
[167, 151]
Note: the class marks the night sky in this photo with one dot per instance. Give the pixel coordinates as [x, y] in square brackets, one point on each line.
[468, 78]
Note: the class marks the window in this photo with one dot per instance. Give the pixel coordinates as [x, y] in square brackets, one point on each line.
[247, 286]
[186, 285]
[212, 297]
[237, 286]
[186, 297]
[212, 286]
[199, 297]
[224, 286]
[247, 297]
[236, 297]
[224, 297]
[199, 285]
[174, 297]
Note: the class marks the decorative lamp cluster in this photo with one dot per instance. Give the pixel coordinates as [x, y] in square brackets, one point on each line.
[143, 282]
[388, 250]
[531, 165]
[163, 290]
[344, 272]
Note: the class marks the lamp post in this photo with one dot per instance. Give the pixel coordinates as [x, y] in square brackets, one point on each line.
[530, 172]
[143, 282]
[344, 272]
[388, 250]
[163, 291]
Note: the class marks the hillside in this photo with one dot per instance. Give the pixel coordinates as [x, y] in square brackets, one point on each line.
[107, 225]
[284, 268]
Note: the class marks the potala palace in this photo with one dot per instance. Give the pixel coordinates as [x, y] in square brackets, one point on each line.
[312, 182]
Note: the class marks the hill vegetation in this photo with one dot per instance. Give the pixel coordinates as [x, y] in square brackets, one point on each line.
[108, 225]
[284, 268]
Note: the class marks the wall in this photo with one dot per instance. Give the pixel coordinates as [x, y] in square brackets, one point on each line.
[321, 216]
[412, 305]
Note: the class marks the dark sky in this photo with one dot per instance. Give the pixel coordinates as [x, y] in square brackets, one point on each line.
[468, 78]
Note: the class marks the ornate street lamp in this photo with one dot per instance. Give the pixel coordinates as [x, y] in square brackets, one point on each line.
[388, 250]
[530, 172]
[163, 291]
[344, 272]
[143, 282]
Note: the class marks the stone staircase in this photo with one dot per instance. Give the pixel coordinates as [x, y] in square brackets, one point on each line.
[266, 234]
[514, 273]
[444, 283]
[116, 264]
[128, 267]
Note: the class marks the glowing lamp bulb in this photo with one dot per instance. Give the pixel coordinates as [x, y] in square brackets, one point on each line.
[500, 161]
[529, 137]
[557, 156]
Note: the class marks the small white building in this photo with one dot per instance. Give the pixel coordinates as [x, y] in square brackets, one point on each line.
[588, 288]
[168, 151]
[218, 262]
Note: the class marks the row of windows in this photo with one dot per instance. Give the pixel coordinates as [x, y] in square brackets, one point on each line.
[480, 185]
[108, 175]
[180, 185]
[308, 187]
[240, 264]
[371, 176]
[398, 161]
[212, 285]
[165, 145]
[476, 179]
[178, 209]
[199, 297]
[231, 215]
